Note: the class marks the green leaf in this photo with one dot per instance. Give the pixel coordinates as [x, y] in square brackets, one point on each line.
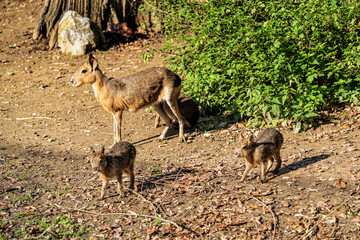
[275, 109]
[311, 114]
[297, 127]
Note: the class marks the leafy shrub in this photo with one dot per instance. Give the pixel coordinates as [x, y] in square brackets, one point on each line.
[266, 61]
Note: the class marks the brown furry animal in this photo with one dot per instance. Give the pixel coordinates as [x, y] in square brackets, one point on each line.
[142, 89]
[262, 151]
[189, 109]
[119, 159]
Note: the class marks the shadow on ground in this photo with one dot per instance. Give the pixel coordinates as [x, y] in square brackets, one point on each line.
[152, 181]
[302, 163]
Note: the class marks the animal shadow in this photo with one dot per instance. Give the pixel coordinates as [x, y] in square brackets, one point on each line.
[302, 163]
[173, 133]
[162, 179]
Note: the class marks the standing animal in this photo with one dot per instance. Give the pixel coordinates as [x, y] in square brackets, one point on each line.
[189, 109]
[120, 158]
[148, 87]
[261, 151]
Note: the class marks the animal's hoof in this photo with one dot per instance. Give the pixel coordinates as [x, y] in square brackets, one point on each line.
[159, 139]
[182, 139]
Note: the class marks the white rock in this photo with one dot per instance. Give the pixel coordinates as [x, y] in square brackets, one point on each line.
[77, 35]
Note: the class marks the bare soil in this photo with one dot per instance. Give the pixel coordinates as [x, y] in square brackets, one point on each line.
[185, 190]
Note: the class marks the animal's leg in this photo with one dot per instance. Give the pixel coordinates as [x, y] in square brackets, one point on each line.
[157, 121]
[278, 162]
[269, 164]
[132, 178]
[117, 126]
[160, 110]
[173, 104]
[104, 186]
[263, 172]
[246, 172]
[114, 129]
[120, 186]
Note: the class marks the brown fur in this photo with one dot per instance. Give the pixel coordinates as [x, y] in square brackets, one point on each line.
[119, 159]
[142, 89]
[188, 109]
[262, 151]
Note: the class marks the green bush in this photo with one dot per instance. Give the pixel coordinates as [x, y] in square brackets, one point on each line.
[266, 61]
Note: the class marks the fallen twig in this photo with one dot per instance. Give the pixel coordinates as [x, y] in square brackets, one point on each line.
[172, 187]
[31, 118]
[138, 194]
[273, 214]
[309, 232]
[119, 213]
[44, 232]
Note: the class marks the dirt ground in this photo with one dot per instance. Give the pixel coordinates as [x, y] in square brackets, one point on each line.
[185, 190]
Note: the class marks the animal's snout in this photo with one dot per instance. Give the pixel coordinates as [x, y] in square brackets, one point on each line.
[240, 153]
[73, 81]
[237, 152]
[95, 169]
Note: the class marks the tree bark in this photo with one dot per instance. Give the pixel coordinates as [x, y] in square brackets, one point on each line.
[101, 12]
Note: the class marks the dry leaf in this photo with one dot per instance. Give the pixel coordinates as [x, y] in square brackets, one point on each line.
[34, 230]
[151, 230]
[351, 149]
[340, 184]
[129, 221]
[352, 172]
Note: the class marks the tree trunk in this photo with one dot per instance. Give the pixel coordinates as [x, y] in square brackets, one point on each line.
[101, 12]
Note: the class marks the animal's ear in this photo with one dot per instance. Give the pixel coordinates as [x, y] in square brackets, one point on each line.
[102, 150]
[240, 137]
[92, 61]
[250, 139]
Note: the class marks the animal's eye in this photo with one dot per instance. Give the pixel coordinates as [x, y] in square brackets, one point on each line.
[84, 71]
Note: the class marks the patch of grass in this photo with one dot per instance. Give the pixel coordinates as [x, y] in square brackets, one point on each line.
[42, 174]
[155, 170]
[22, 178]
[147, 56]
[2, 237]
[67, 188]
[55, 193]
[62, 225]
[4, 223]
[24, 197]
[158, 220]
[21, 232]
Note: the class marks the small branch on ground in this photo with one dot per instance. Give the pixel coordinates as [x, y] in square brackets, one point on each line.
[310, 231]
